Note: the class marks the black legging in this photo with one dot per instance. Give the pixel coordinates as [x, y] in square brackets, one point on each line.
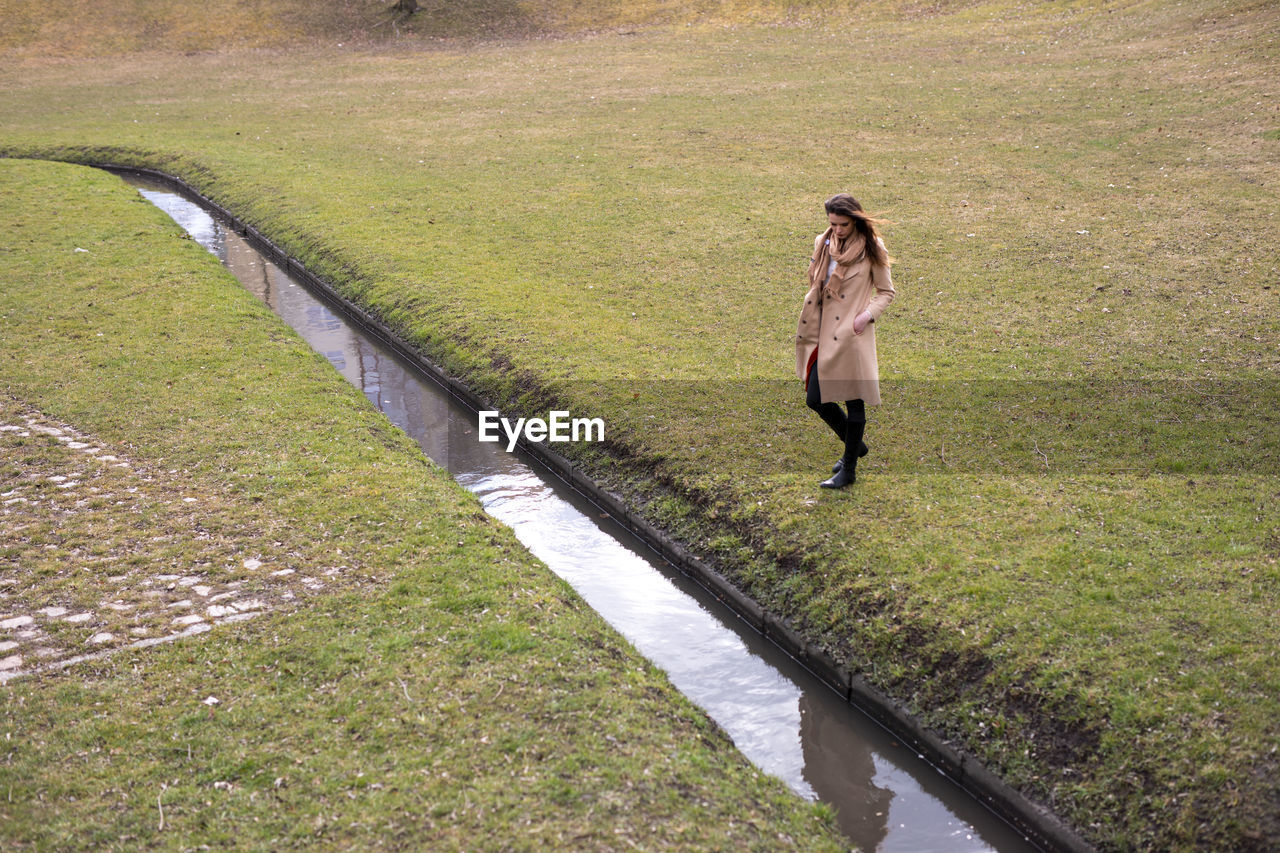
[849, 428]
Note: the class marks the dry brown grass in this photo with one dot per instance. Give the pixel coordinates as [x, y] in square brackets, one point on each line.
[44, 29]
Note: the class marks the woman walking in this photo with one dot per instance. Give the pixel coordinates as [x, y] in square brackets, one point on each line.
[849, 288]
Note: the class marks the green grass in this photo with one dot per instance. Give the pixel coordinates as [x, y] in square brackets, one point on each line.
[1062, 551]
[442, 690]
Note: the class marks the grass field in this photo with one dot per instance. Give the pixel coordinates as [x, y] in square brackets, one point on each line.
[1062, 550]
[413, 678]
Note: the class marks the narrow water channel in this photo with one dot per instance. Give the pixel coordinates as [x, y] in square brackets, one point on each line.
[781, 717]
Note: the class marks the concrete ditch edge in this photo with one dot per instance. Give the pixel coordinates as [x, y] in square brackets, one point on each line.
[1040, 825]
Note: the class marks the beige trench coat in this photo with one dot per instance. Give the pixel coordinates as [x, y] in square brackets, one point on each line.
[847, 367]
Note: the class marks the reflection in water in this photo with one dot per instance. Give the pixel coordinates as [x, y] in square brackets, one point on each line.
[778, 715]
[842, 758]
[666, 625]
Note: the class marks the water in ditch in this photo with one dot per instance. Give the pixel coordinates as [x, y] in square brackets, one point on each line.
[781, 717]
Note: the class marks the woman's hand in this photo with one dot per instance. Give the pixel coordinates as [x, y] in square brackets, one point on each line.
[861, 322]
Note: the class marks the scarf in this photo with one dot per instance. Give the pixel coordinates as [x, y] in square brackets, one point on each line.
[854, 249]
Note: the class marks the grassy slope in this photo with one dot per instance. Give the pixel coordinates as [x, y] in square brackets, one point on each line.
[1063, 550]
[35, 28]
[444, 687]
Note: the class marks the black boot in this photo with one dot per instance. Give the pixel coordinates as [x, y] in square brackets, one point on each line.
[847, 474]
[846, 471]
[862, 451]
[834, 418]
[830, 413]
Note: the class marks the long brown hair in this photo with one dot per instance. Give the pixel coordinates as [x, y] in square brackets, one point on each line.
[843, 204]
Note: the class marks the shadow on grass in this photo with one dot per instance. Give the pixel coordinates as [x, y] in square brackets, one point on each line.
[968, 426]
